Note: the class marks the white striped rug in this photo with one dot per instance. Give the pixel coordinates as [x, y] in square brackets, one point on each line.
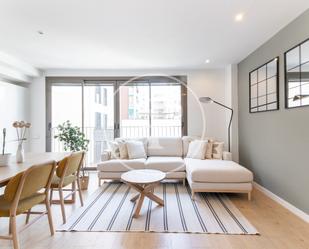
[110, 209]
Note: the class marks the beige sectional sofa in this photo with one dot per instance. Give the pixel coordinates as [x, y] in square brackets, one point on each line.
[169, 156]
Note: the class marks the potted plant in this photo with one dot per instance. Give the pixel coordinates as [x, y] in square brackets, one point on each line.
[74, 140]
[4, 157]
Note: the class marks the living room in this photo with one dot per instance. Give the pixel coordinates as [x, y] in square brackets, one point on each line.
[154, 124]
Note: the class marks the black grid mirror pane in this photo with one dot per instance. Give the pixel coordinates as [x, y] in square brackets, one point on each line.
[264, 87]
[297, 75]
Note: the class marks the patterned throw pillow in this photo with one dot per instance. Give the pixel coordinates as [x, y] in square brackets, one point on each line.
[208, 154]
[217, 150]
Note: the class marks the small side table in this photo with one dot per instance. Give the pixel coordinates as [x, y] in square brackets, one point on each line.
[144, 181]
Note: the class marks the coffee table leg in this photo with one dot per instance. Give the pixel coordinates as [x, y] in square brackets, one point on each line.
[139, 205]
[134, 198]
[149, 192]
[155, 198]
[139, 188]
[144, 190]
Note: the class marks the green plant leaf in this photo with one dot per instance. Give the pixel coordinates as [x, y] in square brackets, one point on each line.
[72, 137]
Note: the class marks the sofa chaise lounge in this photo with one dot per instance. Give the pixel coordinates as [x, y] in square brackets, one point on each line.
[169, 156]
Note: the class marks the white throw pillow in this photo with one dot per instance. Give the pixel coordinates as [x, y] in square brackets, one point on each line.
[217, 150]
[136, 149]
[114, 148]
[197, 149]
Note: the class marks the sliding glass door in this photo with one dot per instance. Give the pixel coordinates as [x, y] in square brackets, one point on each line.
[89, 106]
[150, 109]
[98, 117]
[66, 104]
[166, 116]
[134, 110]
[105, 109]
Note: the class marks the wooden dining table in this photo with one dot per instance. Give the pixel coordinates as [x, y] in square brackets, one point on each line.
[13, 168]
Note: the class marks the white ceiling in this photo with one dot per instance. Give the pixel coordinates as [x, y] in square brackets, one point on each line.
[139, 34]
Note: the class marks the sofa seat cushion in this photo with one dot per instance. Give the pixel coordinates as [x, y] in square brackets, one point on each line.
[121, 165]
[165, 163]
[217, 171]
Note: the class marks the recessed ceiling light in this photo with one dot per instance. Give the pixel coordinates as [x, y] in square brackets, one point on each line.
[40, 32]
[207, 61]
[239, 17]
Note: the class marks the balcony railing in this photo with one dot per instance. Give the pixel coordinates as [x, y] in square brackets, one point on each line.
[99, 138]
[155, 131]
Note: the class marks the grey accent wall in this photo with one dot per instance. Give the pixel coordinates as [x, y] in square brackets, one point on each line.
[275, 145]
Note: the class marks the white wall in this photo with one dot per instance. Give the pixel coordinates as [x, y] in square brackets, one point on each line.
[211, 82]
[206, 119]
[231, 100]
[38, 114]
[14, 105]
[15, 79]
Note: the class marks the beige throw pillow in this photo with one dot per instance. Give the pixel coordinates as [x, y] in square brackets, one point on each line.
[123, 151]
[197, 149]
[217, 150]
[208, 154]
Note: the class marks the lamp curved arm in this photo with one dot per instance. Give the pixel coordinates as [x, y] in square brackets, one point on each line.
[230, 123]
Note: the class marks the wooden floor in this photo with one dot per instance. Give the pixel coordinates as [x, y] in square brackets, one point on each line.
[278, 227]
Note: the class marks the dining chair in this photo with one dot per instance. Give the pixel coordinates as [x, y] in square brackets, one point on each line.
[24, 191]
[68, 172]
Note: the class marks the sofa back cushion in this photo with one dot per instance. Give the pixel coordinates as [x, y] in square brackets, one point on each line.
[165, 146]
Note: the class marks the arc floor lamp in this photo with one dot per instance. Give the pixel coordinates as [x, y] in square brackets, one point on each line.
[300, 96]
[208, 100]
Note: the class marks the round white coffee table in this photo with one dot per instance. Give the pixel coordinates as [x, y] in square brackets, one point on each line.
[144, 181]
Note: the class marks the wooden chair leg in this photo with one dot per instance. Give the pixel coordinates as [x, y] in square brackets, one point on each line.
[51, 195]
[10, 228]
[99, 179]
[193, 195]
[249, 196]
[14, 232]
[80, 192]
[50, 218]
[74, 192]
[184, 182]
[28, 216]
[62, 205]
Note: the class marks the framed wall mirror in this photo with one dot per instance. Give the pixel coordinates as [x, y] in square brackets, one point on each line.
[297, 76]
[263, 88]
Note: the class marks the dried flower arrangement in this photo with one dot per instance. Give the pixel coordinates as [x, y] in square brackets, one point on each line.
[21, 130]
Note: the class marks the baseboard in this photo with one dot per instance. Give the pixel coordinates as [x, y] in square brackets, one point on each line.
[301, 214]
